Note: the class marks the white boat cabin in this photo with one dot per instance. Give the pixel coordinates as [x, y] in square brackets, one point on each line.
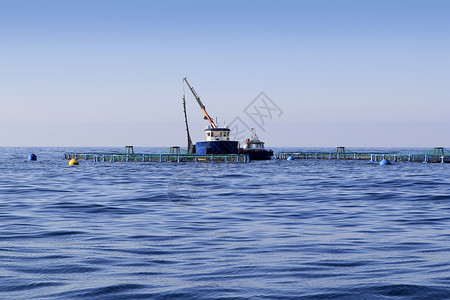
[253, 143]
[217, 134]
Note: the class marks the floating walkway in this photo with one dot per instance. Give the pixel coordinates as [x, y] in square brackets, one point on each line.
[178, 158]
[373, 157]
[340, 154]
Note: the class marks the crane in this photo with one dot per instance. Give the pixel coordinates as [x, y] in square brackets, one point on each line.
[207, 117]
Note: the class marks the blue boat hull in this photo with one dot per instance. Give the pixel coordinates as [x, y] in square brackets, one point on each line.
[217, 147]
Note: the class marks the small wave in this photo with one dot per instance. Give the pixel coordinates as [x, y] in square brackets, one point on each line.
[56, 269]
[13, 287]
[114, 291]
[404, 291]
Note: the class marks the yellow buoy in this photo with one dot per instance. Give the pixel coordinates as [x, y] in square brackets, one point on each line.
[74, 162]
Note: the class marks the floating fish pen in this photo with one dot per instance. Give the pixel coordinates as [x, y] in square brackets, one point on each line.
[178, 158]
[372, 157]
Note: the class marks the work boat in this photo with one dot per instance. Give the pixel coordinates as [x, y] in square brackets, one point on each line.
[217, 138]
[254, 147]
[217, 142]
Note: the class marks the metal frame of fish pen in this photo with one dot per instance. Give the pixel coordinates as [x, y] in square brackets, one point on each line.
[373, 157]
[178, 158]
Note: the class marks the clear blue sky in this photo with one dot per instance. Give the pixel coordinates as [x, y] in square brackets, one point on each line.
[109, 73]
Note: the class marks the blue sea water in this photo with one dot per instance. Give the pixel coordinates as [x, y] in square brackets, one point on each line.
[303, 229]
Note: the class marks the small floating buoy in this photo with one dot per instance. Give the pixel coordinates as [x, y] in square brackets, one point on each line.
[385, 162]
[290, 158]
[74, 162]
[32, 157]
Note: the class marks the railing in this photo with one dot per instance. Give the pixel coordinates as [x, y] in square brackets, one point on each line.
[373, 157]
[179, 158]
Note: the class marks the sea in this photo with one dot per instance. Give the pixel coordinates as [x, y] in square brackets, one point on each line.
[301, 229]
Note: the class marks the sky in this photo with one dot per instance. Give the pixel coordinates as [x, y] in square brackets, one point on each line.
[332, 73]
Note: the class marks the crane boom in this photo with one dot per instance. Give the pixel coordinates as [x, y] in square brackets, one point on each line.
[213, 125]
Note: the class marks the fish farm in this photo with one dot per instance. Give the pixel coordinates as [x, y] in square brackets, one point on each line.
[116, 157]
[218, 147]
[424, 158]
[340, 154]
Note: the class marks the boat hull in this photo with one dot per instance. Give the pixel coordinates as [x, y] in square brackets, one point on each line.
[258, 154]
[217, 147]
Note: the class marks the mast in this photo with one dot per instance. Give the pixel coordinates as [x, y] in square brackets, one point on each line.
[207, 117]
[190, 145]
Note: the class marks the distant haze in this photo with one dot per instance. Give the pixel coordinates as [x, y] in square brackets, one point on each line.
[109, 73]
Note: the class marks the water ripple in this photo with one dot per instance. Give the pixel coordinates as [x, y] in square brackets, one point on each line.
[304, 229]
